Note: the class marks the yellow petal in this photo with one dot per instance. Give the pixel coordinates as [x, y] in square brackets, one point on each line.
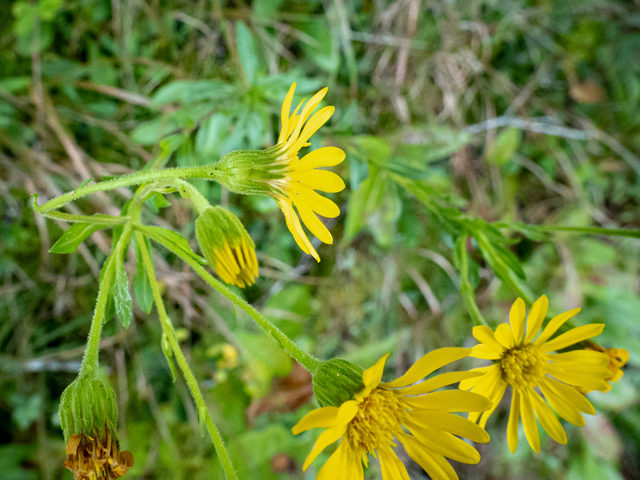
[436, 466]
[574, 335]
[554, 324]
[504, 335]
[439, 381]
[516, 319]
[319, 204]
[590, 357]
[315, 122]
[444, 443]
[566, 410]
[371, 378]
[313, 223]
[342, 465]
[496, 396]
[485, 335]
[293, 224]
[284, 113]
[319, 418]
[322, 157]
[322, 180]
[485, 352]
[572, 376]
[547, 418]
[429, 363]
[571, 396]
[450, 423]
[529, 421]
[306, 111]
[392, 467]
[536, 317]
[449, 401]
[469, 383]
[514, 421]
[325, 439]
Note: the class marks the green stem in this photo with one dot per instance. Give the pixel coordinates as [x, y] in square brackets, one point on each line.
[167, 329]
[97, 219]
[306, 360]
[465, 285]
[589, 230]
[209, 172]
[89, 365]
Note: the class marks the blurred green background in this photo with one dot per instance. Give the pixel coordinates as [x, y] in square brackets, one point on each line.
[518, 111]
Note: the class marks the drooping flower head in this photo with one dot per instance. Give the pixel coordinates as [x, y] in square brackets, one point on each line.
[381, 414]
[227, 246]
[528, 366]
[88, 415]
[292, 181]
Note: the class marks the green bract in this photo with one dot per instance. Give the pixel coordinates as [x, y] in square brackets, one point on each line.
[251, 172]
[85, 405]
[336, 381]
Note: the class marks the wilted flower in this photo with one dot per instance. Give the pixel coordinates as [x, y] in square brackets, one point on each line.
[97, 457]
[380, 414]
[618, 358]
[529, 366]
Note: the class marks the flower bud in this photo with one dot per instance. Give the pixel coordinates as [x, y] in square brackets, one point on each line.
[227, 246]
[336, 382]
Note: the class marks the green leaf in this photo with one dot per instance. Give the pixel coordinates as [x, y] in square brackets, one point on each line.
[504, 147]
[121, 295]
[246, 51]
[173, 241]
[357, 205]
[141, 283]
[168, 354]
[74, 236]
[85, 183]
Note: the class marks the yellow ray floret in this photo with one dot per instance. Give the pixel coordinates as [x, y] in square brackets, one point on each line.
[541, 381]
[382, 414]
[300, 178]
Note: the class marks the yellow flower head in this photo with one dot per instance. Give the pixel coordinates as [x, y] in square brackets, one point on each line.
[301, 177]
[528, 366]
[417, 416]
[618, 358]
[97, 457]
[227, 246]
[279, 173]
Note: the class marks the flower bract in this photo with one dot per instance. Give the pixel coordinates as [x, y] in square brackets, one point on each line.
[541, 381]
[97, 457]
[382, 414]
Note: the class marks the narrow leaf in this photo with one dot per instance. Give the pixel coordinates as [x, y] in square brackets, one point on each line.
[141, 282]
[121, 295]
[74, 236]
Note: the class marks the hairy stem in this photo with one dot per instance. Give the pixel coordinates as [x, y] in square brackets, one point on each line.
[306, 360]
[167, 329]
[465, 285]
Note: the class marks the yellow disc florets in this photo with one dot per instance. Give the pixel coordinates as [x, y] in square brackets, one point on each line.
[379, 417]
[523, 366]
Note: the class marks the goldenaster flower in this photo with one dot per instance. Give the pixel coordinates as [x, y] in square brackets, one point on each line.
[97, 457]
[417, 416]
[291, 181]
[530, 366]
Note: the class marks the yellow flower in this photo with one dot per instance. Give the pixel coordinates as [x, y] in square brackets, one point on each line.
[97, 457]
[299, 178]
[384, 413]
[529, 366]
[618, 358]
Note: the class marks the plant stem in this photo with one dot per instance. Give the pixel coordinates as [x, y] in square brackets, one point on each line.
[209, 172]
[306, 360]
[589, 230]
[91, 356]
[97, 219]
[465, 285]
[167, 329]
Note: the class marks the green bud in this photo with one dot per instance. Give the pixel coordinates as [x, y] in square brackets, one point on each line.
[85, 405]
[227, 246]
[252, 172]
[336, 382]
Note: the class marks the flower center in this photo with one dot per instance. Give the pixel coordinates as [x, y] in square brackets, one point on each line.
[379, 417]
[523, 366]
